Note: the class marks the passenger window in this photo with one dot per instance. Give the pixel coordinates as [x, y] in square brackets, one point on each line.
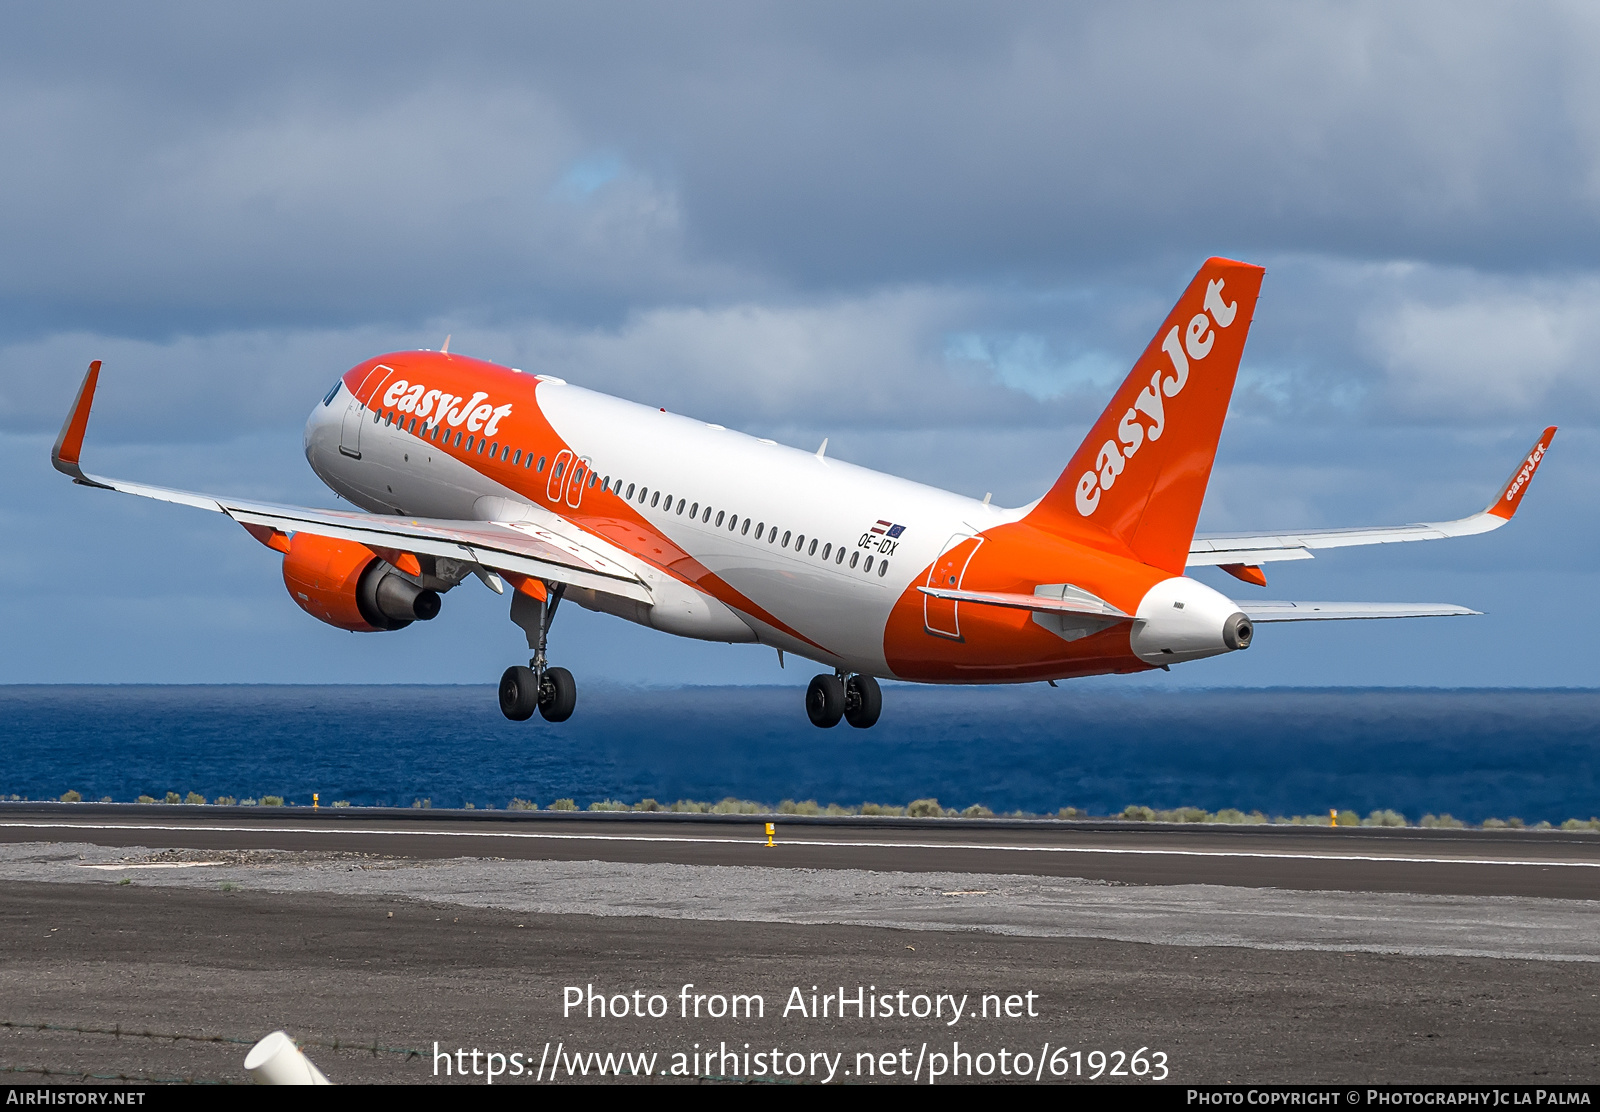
[760, 527]
[413, 426]
[630, 492]
[495, 450]
[654, 499]
[458, 440]
[560, 467]
[375, 416]
[827, 550]
[746, 532]
[680, 505]
[469, 443]
[733, 523]
[540, 468]
[772, 534]
[883, 566]
[482, 444]
[839, 559]
[593, 479]
[812, 551]
[719, 519]
[516, 460]
[577, 476]
[694, 510]
[707, 517]
[529, 461]
[868, 565]
[800, 542]
[855, 558]
[786, 537]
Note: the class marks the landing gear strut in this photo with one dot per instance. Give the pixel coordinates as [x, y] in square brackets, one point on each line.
[857, 699]
[551, 691]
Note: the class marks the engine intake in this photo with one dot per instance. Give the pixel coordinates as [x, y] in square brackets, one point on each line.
[347, 585]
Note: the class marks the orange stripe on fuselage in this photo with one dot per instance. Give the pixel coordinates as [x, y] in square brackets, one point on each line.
[600, 511]
[1001, 645]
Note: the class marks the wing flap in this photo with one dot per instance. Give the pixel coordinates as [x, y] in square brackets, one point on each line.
[525, 550]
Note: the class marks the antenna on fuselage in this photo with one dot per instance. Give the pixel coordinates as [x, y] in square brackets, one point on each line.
[446, 349]
[822, 451]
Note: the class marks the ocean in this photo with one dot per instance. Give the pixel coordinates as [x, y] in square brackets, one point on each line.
[1475, 754]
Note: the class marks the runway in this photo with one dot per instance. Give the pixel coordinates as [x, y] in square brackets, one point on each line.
[1543, 864]
[1287, 954]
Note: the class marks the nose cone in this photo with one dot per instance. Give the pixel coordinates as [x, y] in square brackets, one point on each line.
[1181, 619]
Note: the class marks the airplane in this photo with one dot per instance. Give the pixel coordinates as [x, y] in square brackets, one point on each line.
[465, 468]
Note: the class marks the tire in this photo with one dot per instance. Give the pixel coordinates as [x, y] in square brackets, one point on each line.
[825, 701]
[519, 694]
[863, 702]
[558, 696]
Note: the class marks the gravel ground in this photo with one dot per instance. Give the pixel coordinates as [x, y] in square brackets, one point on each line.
[367, 959]
[1181, 915]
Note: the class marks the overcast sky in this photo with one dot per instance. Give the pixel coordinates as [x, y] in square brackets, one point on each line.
[936, 234]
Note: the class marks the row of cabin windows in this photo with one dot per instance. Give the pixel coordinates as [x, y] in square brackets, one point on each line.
[514, 456]
[742, 526]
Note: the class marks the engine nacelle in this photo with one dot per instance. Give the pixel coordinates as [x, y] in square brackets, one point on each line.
[347, 585]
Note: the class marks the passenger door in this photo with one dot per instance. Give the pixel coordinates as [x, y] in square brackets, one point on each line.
[942, 617]
[355, 413]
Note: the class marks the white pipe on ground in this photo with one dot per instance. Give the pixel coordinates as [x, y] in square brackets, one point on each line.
[275, 1060]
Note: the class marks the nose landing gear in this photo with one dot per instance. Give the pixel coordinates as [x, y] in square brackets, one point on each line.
[857, 699]
[551, 691]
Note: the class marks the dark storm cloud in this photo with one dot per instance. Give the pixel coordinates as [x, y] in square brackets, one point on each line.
[328, 163]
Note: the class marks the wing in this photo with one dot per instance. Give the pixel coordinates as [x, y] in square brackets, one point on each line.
[518, 548]
[1243, 550]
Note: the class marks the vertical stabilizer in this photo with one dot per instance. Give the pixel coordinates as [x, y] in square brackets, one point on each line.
[1136, 483]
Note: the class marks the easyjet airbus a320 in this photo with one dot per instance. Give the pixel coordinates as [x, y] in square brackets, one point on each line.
[466, 468]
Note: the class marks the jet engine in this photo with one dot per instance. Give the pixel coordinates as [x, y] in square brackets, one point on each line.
[346, 584]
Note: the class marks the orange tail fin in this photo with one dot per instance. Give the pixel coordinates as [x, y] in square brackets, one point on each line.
[1136, 483]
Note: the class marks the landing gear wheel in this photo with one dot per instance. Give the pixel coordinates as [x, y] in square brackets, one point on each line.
[825, 701]
[863, 702]
[519, 694]
[558, 695]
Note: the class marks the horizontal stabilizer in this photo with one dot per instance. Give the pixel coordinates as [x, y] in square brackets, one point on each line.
[1075, 602]
[1339, 611]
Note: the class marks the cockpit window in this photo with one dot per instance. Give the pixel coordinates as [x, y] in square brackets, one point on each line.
[333, 393]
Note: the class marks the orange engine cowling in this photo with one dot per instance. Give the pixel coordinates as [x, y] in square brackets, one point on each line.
[347, 585]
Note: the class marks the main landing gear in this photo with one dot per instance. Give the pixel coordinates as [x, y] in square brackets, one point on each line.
[550, 691]
[856, 699]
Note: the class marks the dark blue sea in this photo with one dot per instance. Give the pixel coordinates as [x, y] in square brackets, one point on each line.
[1473, 753]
